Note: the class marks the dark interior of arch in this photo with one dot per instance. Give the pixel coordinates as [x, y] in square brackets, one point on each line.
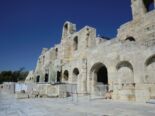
[149, 4]
[130, 38]
[66, 26]
[66, 75]
[38, 78]
[102, 75]
[56, 52]
[46, 77]
[58, 76]
[76, 71]
[76, 43]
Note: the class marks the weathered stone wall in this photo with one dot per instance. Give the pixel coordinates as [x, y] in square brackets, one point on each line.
[142, 27]
[128, 60]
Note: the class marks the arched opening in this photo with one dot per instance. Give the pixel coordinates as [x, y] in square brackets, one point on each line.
[130, 38]
[46, 77]
[56, 52]
[75, 74]
[75, 44]
[65, 29]
[100, 73]
[125, 72]
[99, 79]
[38, 79]
[58, 76]
[66, 75]
[149, 5]
[150, 70]
[66, 26]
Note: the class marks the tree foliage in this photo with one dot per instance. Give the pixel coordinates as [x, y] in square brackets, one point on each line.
[13, 76]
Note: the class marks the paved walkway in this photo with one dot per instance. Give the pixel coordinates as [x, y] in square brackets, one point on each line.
[9, 106]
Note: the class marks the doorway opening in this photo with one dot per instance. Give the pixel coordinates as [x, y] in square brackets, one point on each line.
[46, 77]
[38, 79]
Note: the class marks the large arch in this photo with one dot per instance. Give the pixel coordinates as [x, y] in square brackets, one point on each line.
[75, 74]
[66, 75]
[150, 69]
[98, 79]
[99, 73]
[125, 72]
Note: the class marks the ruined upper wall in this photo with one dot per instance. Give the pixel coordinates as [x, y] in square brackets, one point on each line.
[73, 42]
[141, 7]
[68, 29]
[142, 27]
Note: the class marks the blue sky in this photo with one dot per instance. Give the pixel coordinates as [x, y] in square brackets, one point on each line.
[26, 26]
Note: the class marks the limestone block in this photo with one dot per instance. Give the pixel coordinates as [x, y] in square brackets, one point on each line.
[52, 91]
[21, 95]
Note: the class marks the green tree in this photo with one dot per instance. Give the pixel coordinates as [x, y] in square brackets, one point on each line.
[13, 76]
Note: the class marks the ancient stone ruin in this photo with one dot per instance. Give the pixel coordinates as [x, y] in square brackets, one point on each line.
[123, 66]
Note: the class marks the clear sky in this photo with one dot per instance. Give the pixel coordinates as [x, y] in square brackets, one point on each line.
[26, 26]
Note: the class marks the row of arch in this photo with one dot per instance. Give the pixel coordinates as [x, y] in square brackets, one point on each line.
[76, 38]
[124, 70]
[65, 76]
[46, 78]
[99, 72]
[149, 61]
[75, 74]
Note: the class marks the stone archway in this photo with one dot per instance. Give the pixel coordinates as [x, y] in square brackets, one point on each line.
[126, 83]
[125, 72]
[102, 76]
[99, 73]
[99, 78]
[75, 74]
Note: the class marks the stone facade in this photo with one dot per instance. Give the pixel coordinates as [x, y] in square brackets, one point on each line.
[125, 63]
